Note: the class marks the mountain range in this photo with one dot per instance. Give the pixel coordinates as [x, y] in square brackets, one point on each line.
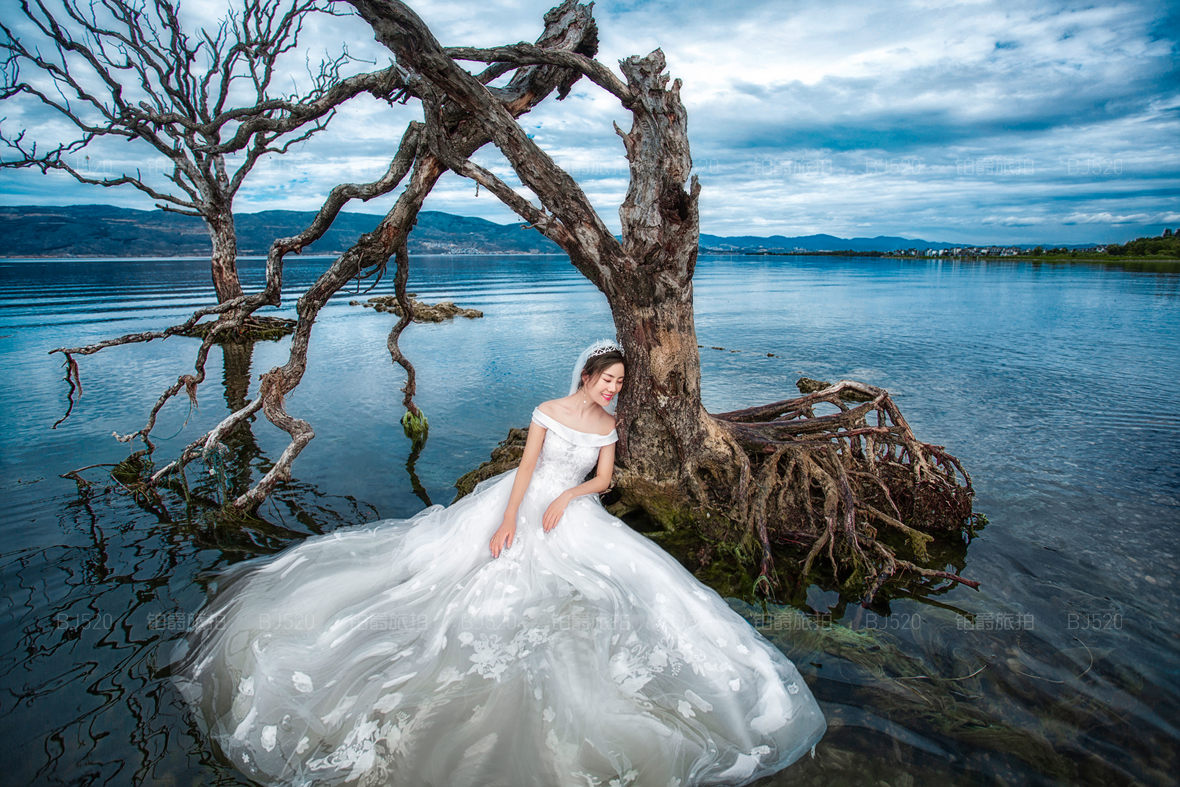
[748, 243]
[106, 231]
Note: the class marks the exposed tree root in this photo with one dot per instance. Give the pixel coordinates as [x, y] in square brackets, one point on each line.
[842, 481]
[419, 311]
[253, 328]
[232, 314]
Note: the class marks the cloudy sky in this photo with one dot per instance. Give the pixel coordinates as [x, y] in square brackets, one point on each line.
[973, 122]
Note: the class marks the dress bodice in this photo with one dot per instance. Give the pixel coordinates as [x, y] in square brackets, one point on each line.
[567, 454]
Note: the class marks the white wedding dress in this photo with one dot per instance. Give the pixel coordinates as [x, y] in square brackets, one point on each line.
[402, 653]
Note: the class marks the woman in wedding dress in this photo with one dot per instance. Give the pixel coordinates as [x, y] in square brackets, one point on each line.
[522, 636]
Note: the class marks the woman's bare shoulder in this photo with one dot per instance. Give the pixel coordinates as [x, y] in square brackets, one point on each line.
[557, 409]
[606, 423]
[551, 407]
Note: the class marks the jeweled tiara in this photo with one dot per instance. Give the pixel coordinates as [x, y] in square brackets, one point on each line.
[603, 346]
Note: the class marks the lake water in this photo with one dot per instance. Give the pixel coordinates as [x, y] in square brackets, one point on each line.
[1055, 385]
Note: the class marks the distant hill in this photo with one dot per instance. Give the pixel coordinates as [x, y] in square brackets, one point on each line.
[105, 231]
[746, 243]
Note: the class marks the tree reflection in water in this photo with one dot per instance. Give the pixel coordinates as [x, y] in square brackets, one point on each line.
[95, 617]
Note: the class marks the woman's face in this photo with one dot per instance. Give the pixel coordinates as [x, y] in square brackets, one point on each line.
[603, 389]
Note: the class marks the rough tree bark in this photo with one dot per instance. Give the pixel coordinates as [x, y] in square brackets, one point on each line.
[755, 477]
[226, 283]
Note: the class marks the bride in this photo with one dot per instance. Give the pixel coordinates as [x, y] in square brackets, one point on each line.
[565, 650]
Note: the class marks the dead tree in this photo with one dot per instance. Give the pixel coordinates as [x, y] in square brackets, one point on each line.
[205, 105]
[839, 482]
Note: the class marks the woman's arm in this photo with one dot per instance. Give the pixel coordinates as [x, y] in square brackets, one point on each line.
[599, 483]
[502, 539]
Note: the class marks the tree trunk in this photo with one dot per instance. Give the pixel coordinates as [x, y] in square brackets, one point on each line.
[675, 462]
[685, 467]
[225, 254]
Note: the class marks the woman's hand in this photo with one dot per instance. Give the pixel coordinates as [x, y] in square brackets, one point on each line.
[554, 511]
[502, 538]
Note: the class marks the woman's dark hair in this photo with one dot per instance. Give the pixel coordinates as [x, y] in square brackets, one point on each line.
[597, 364]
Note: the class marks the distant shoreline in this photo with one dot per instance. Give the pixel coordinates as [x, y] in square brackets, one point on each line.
[262, 257]
[106, 232]
[885, 255]
[1023, 257]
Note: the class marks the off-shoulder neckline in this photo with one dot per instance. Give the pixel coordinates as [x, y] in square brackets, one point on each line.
[579, 431]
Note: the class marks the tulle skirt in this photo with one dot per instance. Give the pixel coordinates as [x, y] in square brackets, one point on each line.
[403, 653]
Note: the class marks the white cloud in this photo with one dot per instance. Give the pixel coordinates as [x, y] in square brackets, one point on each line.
[960, 121]
[1129, 218]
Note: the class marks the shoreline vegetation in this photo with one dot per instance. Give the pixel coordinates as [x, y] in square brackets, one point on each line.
[1167, 263]
[1163, 249]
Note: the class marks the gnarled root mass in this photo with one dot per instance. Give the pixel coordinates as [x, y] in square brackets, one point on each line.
[250, 329]
[853, 487]
[419, 311]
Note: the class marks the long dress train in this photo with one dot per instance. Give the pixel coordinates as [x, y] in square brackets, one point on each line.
[403, 653]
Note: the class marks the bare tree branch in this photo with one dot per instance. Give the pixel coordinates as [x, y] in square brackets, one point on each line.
[530, 54]
[419, 52]
[127, 69]
[570, 26]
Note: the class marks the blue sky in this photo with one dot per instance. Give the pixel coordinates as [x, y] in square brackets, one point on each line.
[973, 122]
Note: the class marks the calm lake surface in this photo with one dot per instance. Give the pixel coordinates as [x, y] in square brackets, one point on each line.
[1055, 385]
